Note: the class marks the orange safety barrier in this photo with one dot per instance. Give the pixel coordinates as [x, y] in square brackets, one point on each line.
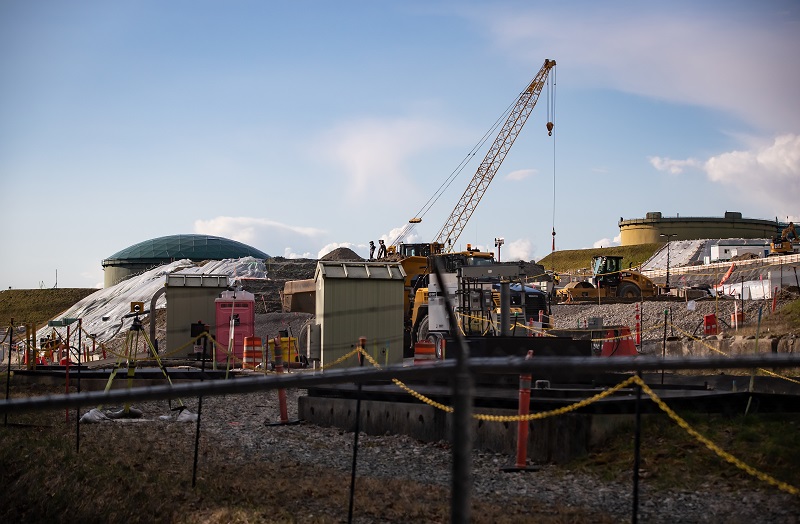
[253, 355]
[620, 343]
[424, 352]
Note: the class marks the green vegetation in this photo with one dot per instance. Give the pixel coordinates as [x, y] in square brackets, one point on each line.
[570, 260]
[37, 306]
[671, 458]
[789, 313]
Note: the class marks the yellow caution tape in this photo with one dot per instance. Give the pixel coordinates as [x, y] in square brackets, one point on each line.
[783, 486]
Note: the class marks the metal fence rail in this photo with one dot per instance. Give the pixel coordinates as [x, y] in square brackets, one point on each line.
[462, 371]
[304, 380]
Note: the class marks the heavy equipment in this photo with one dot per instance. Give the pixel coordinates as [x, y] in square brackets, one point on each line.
[416, 258]
[486, 299]
[782, 244]
[454, 225]
[609, 280]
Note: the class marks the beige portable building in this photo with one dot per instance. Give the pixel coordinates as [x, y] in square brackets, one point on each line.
[190, 299]
[359, 299]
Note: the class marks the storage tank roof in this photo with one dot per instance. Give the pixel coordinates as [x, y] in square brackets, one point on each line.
[193, 247]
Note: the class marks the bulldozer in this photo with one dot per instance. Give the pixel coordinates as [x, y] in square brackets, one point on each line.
[610, 280]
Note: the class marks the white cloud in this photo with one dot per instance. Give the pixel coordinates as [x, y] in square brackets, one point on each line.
[327, 248]
[671, 166]
[289, 253]
[521, 174]
[244, 229]
[260, 233]
[521, 249]
[404, 234]
[768, 174]
[694, 54]
[607, 242]
[372, 153]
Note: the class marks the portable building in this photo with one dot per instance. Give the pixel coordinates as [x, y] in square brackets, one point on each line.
[235, 321]
[190, 300]
[359, 299]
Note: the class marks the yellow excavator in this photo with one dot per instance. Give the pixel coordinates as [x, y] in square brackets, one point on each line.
[783, 245]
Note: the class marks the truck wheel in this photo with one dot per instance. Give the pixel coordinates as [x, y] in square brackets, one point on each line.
[438, 343]
[422, 329]
[628, 290]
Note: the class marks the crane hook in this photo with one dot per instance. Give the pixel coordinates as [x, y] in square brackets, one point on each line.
[549, 129]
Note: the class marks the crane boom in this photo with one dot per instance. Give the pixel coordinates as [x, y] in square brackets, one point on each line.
[458, 219]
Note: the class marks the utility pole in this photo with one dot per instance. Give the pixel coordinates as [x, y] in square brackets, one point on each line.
[668, 237]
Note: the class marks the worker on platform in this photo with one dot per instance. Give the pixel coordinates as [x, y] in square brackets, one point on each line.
[381, 249]
[371, 250]
[789, 230]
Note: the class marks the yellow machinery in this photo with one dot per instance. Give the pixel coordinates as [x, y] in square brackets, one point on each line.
[782, 245]
[416, 258]
[518, 115]
[610, 281]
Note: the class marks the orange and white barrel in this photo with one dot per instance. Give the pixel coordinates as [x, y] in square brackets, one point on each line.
[253, 355]
[424, 352]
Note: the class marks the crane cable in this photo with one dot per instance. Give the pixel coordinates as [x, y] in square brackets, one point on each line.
[551, 117]
[409, 226]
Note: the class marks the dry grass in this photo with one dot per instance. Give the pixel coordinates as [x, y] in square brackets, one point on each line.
[784, 321]
[37, 306]
[130, 473]
[134, 474]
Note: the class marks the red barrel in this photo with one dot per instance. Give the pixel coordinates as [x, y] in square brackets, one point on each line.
[710, 324]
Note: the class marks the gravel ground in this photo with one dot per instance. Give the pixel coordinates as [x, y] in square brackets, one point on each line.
[242, 420]
[682, 317]
[394, 456]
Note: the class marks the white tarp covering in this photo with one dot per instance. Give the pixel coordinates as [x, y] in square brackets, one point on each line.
[114, 302]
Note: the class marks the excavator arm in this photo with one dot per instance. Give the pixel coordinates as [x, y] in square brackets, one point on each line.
[522, 109]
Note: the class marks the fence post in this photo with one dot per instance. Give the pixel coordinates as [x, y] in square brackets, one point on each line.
[522, 425]
[362, 348]
[279, 370]
[637, 439]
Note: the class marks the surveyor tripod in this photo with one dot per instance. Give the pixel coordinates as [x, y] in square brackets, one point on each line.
[129, 358]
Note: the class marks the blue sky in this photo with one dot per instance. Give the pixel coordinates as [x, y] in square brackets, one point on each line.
[298, 127]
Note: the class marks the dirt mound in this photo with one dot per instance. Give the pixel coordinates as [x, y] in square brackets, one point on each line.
[343, 254]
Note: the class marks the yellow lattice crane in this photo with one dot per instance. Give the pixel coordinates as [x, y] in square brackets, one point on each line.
[472, 196]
